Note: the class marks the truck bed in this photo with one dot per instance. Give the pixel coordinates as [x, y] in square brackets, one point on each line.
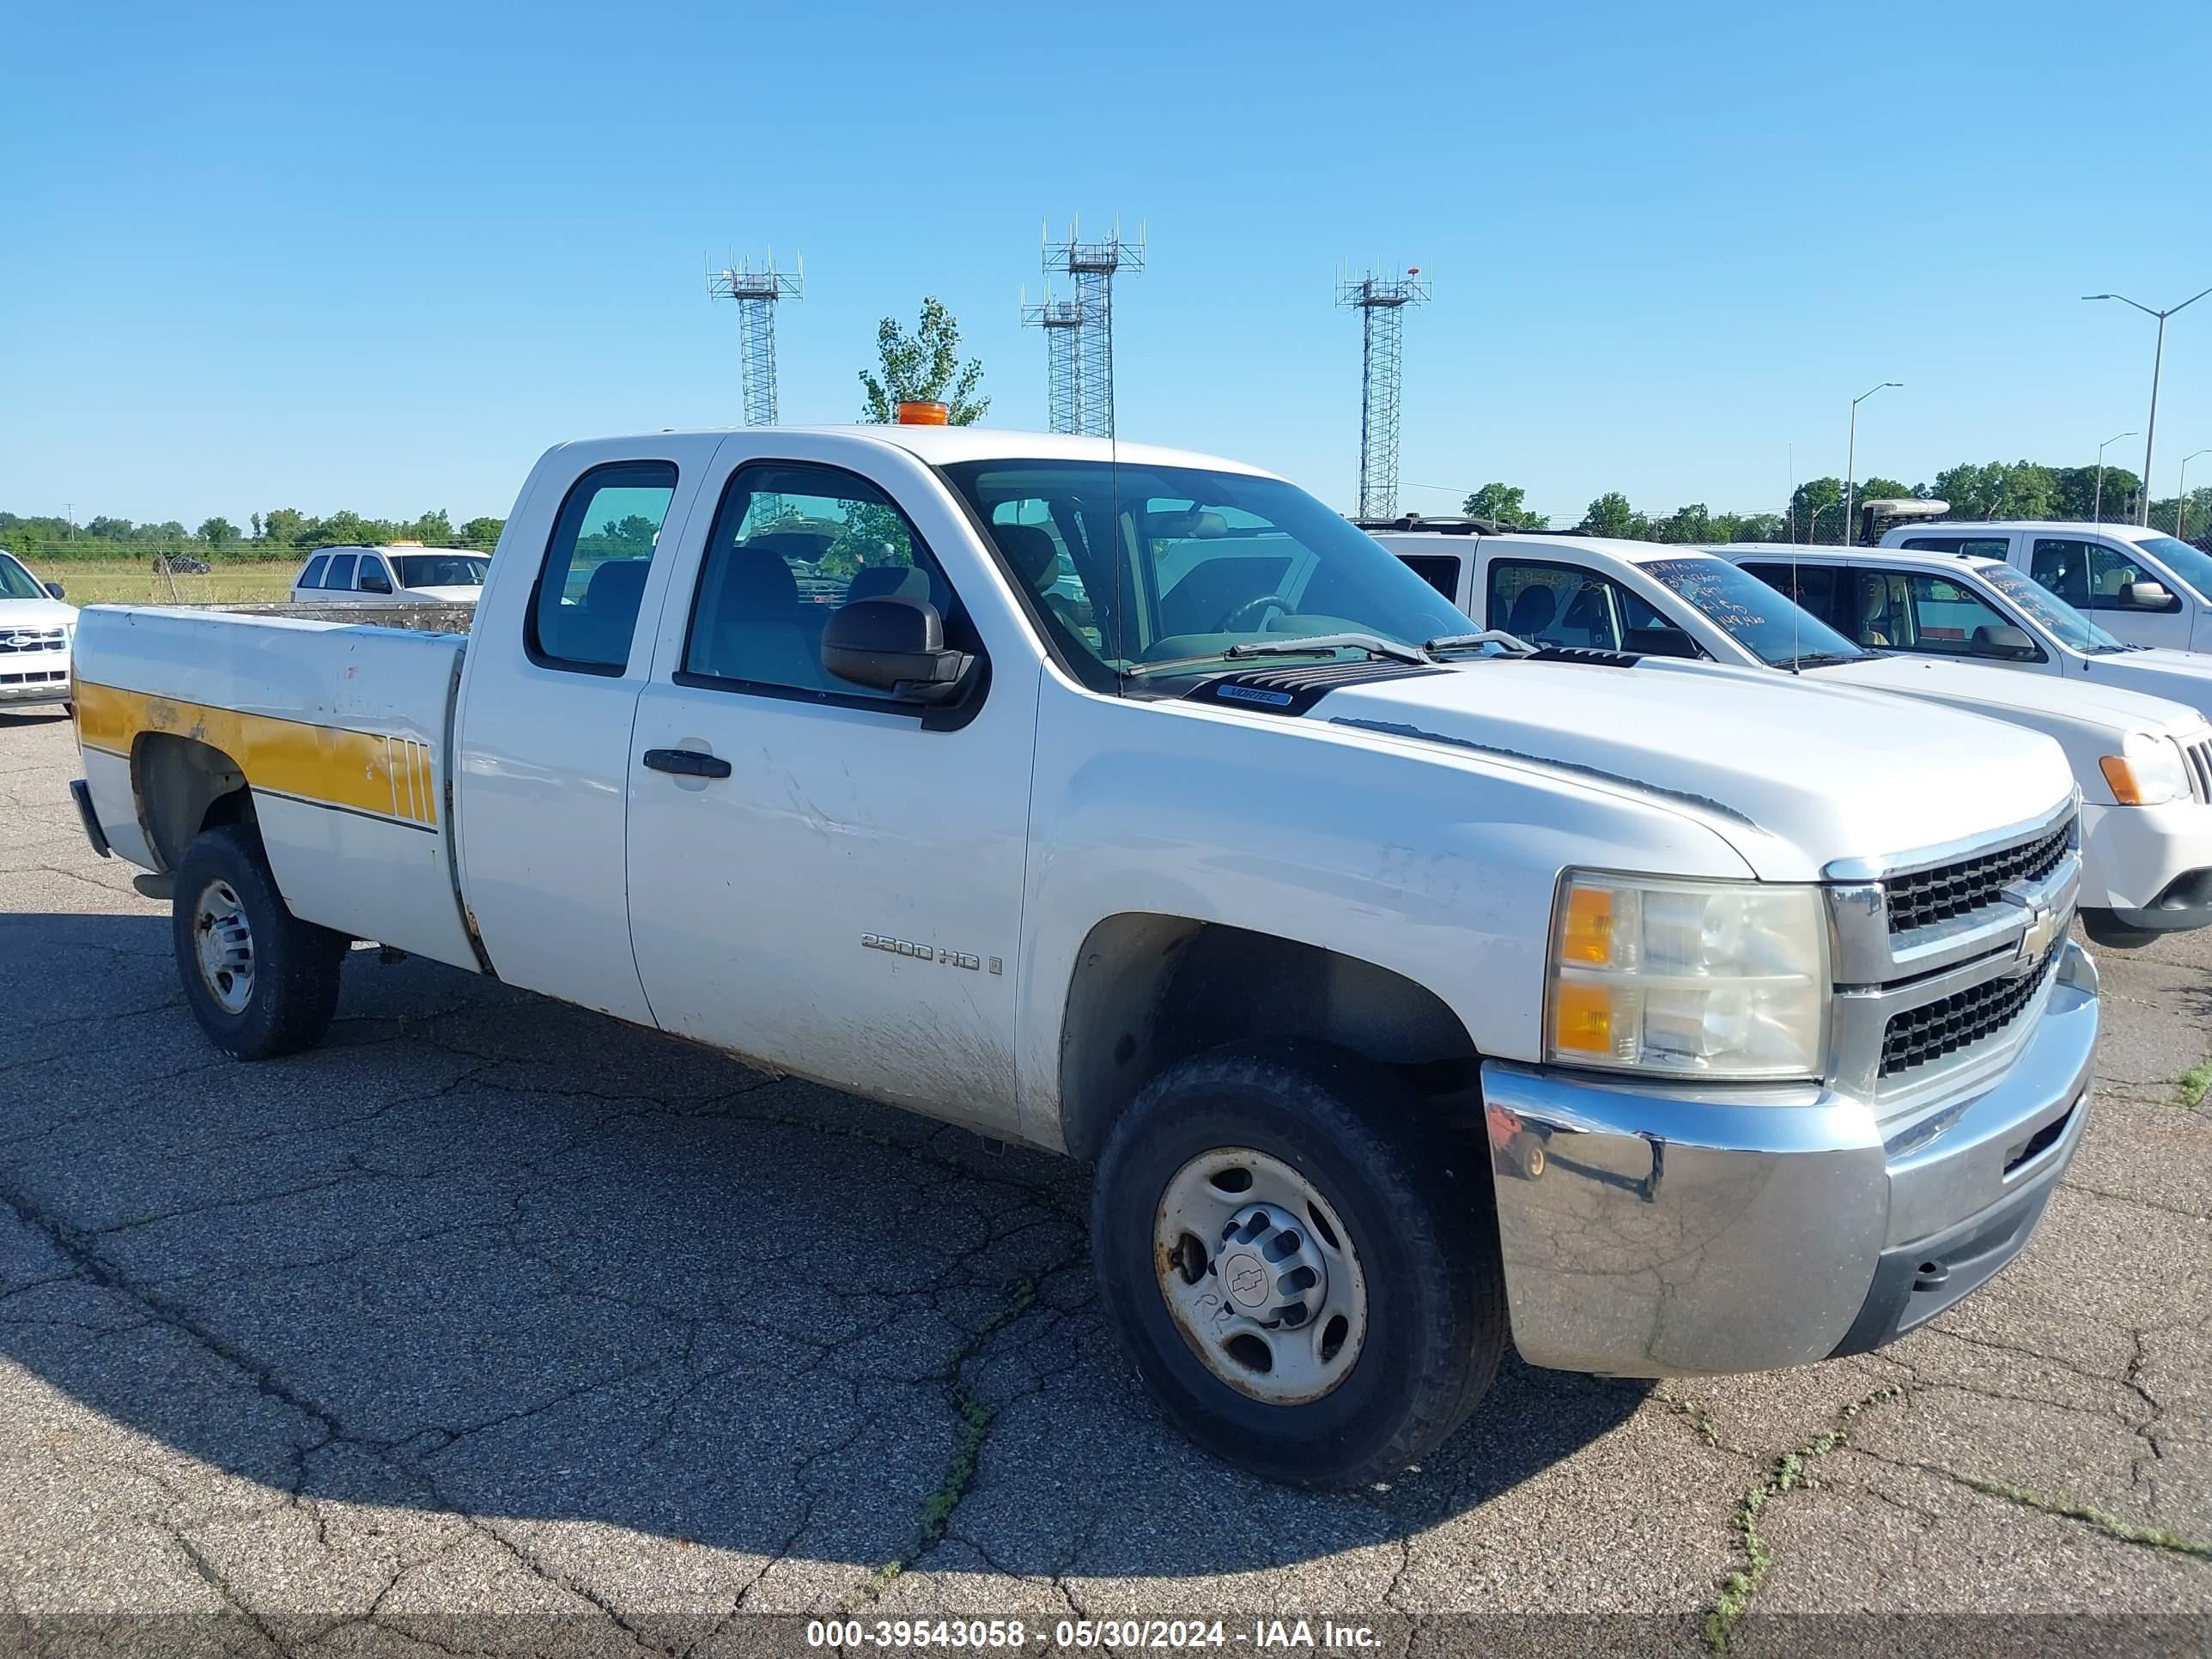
[340, 730]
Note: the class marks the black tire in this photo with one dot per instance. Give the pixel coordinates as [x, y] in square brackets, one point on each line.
[293, 990]
[2105, 927]
[1418, 1206]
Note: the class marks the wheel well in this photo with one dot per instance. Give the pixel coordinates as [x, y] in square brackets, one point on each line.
[1150, 990]
[184, 786]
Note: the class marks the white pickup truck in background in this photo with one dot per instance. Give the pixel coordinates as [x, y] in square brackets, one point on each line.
[2143, 763]
[2141, 585]
[1408, 988]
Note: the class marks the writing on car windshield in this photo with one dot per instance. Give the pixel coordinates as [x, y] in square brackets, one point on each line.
[1764, 620]
[2069, 625]
[1138, 572]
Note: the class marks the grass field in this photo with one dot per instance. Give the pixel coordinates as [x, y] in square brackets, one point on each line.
[133, 582]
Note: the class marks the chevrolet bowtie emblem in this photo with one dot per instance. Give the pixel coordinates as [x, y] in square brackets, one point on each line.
[2035, 944]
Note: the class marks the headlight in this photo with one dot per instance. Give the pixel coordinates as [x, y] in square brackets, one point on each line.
[2146, 772]
[1705, 979]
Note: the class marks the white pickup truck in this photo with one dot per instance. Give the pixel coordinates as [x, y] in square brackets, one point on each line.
[2143, 763]
[1407, 990]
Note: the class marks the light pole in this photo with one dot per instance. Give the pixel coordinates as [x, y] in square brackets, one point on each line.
[2098, 511]
[1813, 524]
[1851, 456]
[2181, 494]
[2158, 357]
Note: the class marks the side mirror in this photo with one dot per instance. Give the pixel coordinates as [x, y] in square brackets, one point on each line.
[1658, 642]
[374, 581]
[2006, 643]
[56, 590]
[2146, 595]
[896, 645]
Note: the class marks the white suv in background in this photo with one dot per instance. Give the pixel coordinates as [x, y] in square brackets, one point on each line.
[2143, 585]
[370, 575]
[36, 632]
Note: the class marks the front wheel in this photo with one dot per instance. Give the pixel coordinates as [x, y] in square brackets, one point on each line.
[261, 981]
[1302, 1269]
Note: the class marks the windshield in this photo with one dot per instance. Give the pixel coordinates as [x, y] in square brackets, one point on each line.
[440, 569]
[2057, 617]
[1129, 567]
[1779, 633]
[16, 582]
[2192, 564]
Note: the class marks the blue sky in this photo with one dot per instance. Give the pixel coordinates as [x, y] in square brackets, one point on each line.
[379, 257]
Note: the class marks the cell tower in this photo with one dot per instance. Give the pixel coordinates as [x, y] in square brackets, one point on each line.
[757, 292]
[1382, 302]
[1092, 265]
[1062, 323]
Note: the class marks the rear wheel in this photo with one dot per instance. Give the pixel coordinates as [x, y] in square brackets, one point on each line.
[1303, 1270]
[261, 981]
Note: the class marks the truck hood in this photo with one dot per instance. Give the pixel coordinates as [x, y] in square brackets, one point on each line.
[2185, 676]
[1791, 774]
[2045, 701]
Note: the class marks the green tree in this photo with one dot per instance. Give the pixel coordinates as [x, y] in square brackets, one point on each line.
[924, 366]
[1502, 503]
[1998, 489]
[434, 529]
[1816, 511]
[218, 532]
[1610, 515]
[1686, 525]
[2077, 496]
[482, 533]
[284, 524]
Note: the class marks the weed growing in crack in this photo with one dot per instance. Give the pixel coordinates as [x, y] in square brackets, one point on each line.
[2111, 1525]
[2194, 1083]
[975, 1419]
[1791, 1470]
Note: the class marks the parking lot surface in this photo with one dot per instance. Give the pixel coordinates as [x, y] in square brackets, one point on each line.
[495, 1307]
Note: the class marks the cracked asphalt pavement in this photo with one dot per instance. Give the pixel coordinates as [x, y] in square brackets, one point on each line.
[496, 1306]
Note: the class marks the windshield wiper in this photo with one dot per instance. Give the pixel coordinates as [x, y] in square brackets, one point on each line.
[1313, 644]
[1822, 658]
[1499, 636]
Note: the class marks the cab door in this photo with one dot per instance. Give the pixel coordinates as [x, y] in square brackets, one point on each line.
[2098, 576]
[823, 879]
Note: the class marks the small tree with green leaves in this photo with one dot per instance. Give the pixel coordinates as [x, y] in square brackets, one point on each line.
[1503, 503]
[923, 367]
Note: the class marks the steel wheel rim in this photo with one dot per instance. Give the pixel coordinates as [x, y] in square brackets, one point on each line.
[1261, 1276]
[223, 941]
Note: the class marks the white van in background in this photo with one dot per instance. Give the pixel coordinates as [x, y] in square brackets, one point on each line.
[2139, 585]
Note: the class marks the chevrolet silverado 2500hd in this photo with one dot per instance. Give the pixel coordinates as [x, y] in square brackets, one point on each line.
[2143, 763]
[1134, 805]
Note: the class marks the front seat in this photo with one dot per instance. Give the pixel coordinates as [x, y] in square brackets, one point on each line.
[1036, 560]
[1534, 608]
[1874, 608]
[756, 634]
[600, 631]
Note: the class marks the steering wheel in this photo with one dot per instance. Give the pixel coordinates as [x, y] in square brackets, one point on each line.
[1238, 615]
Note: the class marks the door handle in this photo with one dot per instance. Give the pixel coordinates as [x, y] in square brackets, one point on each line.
[687, 762]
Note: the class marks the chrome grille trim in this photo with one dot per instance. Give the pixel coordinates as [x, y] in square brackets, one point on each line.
[2199, 757]
[1927, 898]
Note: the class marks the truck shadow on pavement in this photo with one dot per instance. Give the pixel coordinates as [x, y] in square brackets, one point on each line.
[490, 1255]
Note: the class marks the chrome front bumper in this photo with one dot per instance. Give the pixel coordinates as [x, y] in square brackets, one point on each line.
[1675, 1234]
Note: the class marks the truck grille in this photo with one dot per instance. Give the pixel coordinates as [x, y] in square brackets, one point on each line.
[16, 640]
[1928, 896]
[39, 678]
[2199, 755]
[1934, 1029]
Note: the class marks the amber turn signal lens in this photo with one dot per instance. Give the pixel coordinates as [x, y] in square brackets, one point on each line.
[2122, 777]
[1582, 1019]
[1588, 934]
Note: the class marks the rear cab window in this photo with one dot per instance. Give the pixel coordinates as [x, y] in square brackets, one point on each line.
[583, 611]
[1439, 570]
[313, 576]
[340, 574]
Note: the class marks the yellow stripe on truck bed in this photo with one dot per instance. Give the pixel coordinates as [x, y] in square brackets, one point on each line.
[385, 777]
